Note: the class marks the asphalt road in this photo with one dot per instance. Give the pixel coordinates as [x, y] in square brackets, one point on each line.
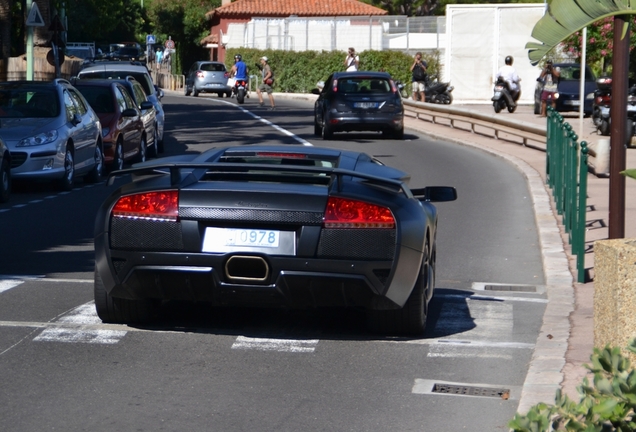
[264, 370]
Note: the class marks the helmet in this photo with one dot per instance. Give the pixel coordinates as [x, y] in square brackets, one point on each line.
[509, 60]
[238, 57]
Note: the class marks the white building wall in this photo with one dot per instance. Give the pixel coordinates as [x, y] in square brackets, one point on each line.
[480, 38]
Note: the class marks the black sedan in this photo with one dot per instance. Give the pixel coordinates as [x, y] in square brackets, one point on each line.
[359, 101]
[569, 89]
[272, 226]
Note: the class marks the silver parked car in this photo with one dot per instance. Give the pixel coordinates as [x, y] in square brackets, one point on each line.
[122, 70]
[51, 131]
[207, 77]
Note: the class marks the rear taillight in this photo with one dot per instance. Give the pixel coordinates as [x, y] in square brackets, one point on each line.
[335, 86]
[200, 74]
[161, 205]
[348, 213]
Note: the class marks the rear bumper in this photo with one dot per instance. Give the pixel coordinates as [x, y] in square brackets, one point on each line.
[293, 282]
[373, 122]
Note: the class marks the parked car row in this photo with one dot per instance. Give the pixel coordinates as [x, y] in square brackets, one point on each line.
[62, 130]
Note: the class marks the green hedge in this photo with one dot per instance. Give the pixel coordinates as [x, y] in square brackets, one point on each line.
[299, 71]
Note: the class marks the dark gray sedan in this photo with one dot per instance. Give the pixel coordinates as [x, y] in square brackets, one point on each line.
[359, 101]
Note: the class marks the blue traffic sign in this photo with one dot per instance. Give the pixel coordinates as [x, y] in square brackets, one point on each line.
[150, 40]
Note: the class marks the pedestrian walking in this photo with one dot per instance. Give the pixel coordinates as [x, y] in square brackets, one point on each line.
[352, 61]
[418, 71]
[550, 78]
[266, 84]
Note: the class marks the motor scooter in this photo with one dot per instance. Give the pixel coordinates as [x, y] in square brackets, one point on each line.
[502, 97]
[438, 92]
[601, 105]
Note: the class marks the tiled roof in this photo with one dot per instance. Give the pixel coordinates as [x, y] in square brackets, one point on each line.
[301, 8]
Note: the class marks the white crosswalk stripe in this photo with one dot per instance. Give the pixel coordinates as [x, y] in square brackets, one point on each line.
[81, 316]
[281, 345]
[7, 284]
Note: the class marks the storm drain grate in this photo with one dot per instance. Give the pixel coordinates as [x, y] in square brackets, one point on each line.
[519, 288]
[471, 391]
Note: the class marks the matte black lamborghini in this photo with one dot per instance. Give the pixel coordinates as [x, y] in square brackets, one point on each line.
[269, 226]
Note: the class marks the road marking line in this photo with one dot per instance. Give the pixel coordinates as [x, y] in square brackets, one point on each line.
[83, 336]
[281, 345]
[6, 285]
[455, 351]
[492, 298]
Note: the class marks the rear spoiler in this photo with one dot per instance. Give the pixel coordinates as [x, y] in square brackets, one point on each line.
[174, 170]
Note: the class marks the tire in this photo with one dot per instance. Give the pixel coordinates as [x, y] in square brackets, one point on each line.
[411, 318]
[228, 94]
[153, 150]
[604, 128]
[220, 95]
[5, 180]
[240, 96]
[317, 129]
[66, 183]
[141, 156]
[186, 90]
[121, 311]
[497, 107]
[118, 160]
[96, 174]
[327, 132]
[446, 99]
[537, 108]
[399, 134]
[195, 92]
[512, 108]
[629, 133]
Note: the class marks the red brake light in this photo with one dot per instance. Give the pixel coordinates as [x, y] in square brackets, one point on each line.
[335, 86]
[200, 74]
[393, 87]
[162, 205]
[348, 213]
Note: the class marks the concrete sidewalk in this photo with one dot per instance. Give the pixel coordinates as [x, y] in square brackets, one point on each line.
[566, 340]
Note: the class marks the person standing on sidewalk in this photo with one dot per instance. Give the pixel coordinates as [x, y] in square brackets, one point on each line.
[418, 70]
[352, 61]
[266, 84]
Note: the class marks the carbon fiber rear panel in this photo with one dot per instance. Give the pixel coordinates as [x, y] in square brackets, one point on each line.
[357, 244]
[251, 215]
[144, 234]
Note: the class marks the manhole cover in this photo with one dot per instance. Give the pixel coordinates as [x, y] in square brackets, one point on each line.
[519, 288]
[471, 391]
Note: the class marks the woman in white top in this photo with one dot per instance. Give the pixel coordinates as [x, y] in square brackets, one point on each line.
[352, 61]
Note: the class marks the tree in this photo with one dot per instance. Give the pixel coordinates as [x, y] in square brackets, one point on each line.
[600, 45]
[185, 22]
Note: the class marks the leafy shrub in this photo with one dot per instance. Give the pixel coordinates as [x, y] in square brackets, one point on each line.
[299, 71]
[607, 405]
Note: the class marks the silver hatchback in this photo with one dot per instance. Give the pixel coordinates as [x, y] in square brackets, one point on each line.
[207, 77]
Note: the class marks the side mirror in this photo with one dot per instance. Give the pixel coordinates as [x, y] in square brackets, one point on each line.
[435, 193]
[315, 91]
[146, 105]
[129, 112]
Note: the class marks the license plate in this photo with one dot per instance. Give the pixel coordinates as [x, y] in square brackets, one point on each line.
[218, 240]
[631, 107]
[573, 102]
[497, 94]
[365, 105]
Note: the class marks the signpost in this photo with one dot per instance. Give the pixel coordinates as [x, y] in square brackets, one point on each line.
[34, 19]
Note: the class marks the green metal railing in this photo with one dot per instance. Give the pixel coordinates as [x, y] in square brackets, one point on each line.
[566, 174]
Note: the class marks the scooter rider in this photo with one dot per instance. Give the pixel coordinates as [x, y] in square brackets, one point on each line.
[239, 69]
[509, 74]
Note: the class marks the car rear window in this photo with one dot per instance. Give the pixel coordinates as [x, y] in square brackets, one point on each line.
[212, 67]
[99, 98]
[574, 73]
[364, 85]
[143, 78]
[28, 102]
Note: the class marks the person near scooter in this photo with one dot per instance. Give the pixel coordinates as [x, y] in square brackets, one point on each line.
[418, 71]
[239, 71]
[550, 78]
[510, 76]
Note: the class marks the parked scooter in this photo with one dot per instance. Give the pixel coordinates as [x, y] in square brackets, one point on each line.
[435, 92]
[601, 105]
[502, 97]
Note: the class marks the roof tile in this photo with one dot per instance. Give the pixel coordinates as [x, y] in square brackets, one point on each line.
[301, 8]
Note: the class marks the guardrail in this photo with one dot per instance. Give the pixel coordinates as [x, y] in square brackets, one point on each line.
[531, 135]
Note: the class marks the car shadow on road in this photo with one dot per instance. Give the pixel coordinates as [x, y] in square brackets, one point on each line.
[448, 315]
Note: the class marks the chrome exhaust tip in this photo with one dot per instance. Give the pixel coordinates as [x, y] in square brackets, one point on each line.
[246, 268]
